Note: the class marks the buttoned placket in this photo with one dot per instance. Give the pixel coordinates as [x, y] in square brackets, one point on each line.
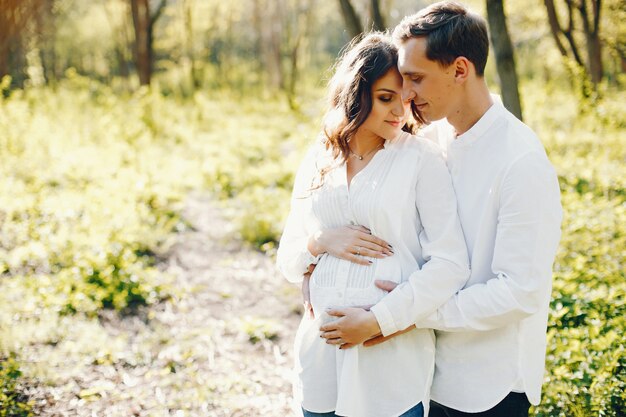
[344, 268]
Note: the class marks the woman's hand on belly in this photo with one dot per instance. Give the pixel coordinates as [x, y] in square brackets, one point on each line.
[352, 243]
[353, 326]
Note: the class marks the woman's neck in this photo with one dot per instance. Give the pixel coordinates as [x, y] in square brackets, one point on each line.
[362, 143]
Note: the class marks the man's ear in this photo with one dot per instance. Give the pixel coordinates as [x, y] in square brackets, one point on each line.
[462, 69]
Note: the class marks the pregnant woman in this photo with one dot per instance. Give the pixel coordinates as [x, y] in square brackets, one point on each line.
[370, 201]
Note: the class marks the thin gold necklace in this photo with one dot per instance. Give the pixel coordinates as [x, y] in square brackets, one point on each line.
[360, 157]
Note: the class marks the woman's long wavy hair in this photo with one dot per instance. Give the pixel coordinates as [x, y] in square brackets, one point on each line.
[362, 63]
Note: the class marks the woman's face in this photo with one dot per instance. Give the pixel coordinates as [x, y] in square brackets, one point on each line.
[389, 113]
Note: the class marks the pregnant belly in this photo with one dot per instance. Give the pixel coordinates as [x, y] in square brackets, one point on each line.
[340, 283]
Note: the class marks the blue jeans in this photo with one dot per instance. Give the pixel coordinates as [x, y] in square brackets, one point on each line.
[417, 411]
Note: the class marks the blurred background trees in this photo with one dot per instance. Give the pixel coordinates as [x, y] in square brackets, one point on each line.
[581, 31]
[284, 45]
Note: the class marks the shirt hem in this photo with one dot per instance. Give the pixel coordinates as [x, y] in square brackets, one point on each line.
[396, 414]
[477, 409]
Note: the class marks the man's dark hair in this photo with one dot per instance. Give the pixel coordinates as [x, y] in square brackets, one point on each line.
[451, 31]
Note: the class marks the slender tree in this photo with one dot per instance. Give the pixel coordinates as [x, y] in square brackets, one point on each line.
[591, 28]
[298, 35]
[505, 58]
[122, 49]
[17, 19]
[351, 18]
[589, 14]
[143, 22]
[189, 44]
[378, 20]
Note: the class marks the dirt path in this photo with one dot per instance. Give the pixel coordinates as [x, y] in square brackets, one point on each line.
[220, 347]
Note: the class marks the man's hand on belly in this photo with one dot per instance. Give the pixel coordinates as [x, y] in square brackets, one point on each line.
[353, 327]
[306, 293]
[380, 338]
[387, 286]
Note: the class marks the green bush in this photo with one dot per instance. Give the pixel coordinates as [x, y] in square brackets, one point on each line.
[12, 402]
[586, 362]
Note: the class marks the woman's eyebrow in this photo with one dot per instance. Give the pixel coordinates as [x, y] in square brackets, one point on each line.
[387, 90]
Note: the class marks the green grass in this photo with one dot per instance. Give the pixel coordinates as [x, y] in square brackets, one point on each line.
[12, 403]
[92, 184]
[586, 363]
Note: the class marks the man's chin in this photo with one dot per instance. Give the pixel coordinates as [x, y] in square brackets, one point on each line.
[429, 117]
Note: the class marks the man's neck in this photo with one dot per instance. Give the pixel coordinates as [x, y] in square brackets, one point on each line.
[472, 106]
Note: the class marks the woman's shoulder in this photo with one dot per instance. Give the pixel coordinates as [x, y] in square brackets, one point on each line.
[418, 144]
[317, 152]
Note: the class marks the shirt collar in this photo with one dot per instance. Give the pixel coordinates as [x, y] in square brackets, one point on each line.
[481, 126]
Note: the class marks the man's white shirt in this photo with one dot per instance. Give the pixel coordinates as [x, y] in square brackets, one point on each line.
[491, 336]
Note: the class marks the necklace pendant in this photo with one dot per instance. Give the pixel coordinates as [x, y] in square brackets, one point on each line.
[360, 157]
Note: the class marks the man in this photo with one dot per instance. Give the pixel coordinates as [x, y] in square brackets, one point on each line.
[491, 334]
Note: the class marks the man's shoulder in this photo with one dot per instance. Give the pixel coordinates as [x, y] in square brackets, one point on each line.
[517, 137]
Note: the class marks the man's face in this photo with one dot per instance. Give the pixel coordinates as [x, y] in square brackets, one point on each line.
[428, 84]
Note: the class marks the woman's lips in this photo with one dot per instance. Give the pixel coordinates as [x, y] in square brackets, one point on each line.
[392, 123]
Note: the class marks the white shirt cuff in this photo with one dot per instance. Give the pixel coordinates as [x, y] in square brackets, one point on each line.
[310, 259]
[384, 319]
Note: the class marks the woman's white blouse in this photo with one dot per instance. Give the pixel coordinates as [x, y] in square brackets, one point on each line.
[404, 196]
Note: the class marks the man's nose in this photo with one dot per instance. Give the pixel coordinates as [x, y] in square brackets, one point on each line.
[407, 94]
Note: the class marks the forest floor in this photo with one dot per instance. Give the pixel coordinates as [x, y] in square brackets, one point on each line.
[221, 346]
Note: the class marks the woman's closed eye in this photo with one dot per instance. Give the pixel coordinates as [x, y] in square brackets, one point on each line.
[386, 98]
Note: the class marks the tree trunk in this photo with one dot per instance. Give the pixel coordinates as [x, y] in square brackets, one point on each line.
[594, 52]
[299, 33]
[5, 39]
[594, 45]
[16, 23]
[557, 30]
[591, 29]
[46, 33]
[257, 24]
[275, 64]
[555, 26]
[378, 20]
[351, 18]
[141, 22]
[505, 60]
[193, 71]
[8, 33]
